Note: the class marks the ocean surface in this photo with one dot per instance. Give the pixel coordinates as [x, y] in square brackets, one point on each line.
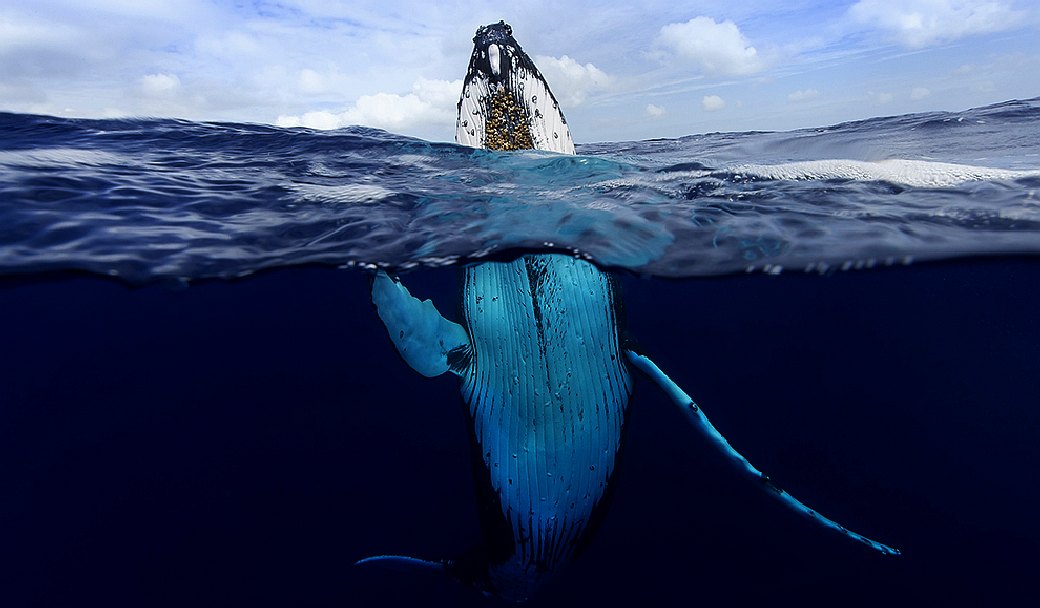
[200, 407]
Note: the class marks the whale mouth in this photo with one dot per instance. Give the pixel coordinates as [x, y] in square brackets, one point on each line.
[506, 103]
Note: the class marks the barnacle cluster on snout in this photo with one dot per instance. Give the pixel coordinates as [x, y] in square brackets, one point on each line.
[507, 125]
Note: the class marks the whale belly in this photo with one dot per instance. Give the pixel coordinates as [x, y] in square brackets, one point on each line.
[547, 391]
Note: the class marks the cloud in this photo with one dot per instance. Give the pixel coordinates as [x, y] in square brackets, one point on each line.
[654, 111]
[919, 93]
[921, 23]
[716, 48]
[431, 102]
[712, 103]
[571, 81]
[21, 92]
[18, 32]
[881, 98]
[804, 95]
[30, 47]
[157, 85]
[312, 82]
[233, 43]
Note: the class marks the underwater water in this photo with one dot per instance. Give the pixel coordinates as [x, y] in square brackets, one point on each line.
[199, 405]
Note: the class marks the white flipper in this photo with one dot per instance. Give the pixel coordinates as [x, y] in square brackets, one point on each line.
[427, 341]
[708, 431]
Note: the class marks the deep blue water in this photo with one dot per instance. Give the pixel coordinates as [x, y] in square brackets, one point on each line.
[172, 438]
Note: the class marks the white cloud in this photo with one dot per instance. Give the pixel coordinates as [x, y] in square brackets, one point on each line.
[921, 23]
[716, 48]
[431, 102]
[919, 93]
[18, 33]
[570, 81]
[311, 81]
[881, 98]
[21, 92]
[158, 85]
[229, 44]
[712, 103]
[654, 111]
[803, 95]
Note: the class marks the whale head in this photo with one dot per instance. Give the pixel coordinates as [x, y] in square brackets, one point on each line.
[506, 103]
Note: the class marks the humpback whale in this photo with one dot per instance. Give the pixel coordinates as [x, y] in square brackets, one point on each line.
[545, 374]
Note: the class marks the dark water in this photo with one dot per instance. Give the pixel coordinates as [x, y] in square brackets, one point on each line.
[243, 442]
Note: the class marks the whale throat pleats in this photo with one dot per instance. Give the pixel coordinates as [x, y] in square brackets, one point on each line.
[547, 390]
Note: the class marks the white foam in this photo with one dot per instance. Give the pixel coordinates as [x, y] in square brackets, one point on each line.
[919, 173]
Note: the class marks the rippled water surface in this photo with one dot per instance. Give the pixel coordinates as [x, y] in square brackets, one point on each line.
[144, 199]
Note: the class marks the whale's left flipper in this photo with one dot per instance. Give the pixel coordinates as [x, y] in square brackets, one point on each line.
[428, 342]
[708, 431]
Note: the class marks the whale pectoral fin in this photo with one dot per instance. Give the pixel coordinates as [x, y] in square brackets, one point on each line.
[462, 571]
[404, 562]
[428, 342]
[707, 430]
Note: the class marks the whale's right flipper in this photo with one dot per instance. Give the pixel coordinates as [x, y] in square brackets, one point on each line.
[427, 341]
[708, 431]
[404, 562]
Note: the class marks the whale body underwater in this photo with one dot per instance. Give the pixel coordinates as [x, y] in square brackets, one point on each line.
[545, 371]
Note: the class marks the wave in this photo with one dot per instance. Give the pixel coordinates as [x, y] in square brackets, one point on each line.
[157, 199]
[917, 173]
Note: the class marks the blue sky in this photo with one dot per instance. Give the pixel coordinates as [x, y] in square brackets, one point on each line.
[621, 71]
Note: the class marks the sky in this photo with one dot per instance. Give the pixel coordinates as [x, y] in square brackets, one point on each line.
[621, 70]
